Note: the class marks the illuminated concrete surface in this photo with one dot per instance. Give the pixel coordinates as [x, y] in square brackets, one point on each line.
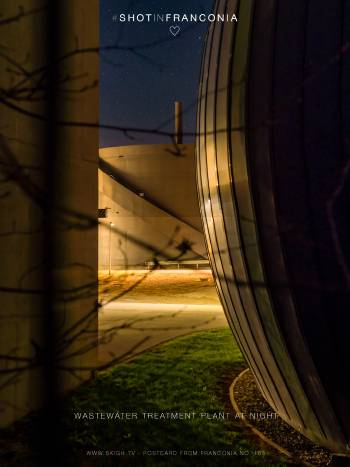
[184, 286]
[151, 193]
[23, 249]
[130, 328]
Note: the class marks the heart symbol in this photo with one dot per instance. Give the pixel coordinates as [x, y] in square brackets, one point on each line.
[174, 30]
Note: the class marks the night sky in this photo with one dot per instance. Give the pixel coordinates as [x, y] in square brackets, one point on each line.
[138, 88]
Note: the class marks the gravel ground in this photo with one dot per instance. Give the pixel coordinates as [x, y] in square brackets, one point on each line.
[249, 400]
[185, 286]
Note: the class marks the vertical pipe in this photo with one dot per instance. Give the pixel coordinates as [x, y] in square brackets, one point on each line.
[178, 122]
[109, 249]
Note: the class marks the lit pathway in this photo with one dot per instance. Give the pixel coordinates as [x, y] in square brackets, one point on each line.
[129, 328]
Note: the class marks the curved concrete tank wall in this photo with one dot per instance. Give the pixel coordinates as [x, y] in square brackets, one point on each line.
[273, 176]
[151, 190]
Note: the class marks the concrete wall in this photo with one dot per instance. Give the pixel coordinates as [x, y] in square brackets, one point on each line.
[153, 200]
[140, 229]
[22, 201]
[163, 172]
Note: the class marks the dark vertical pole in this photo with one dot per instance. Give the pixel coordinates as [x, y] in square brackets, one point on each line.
[50, 442]
[178, 122]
